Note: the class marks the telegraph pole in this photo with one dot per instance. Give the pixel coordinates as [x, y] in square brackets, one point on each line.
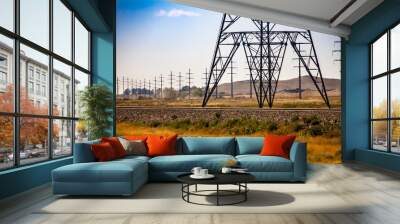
[170, 79]
[117, 85]
[161, 79]
[155, 87]
[180, 82]
[149, 88]
[189, 82]
[123, 85]
[136, 88]
[205, 78]
[232, 73]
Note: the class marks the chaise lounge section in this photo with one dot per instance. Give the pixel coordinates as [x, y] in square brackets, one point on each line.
[125, 176]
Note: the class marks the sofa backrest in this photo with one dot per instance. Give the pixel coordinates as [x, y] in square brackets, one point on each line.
[206, 145]
[83, 152]
[249, 145]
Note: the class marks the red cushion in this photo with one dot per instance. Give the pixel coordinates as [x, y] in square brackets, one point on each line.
[103, 152]
[116, 145]
[161, 146]
[277, 145]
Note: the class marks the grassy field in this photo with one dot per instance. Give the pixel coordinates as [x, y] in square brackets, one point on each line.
[280, 102]
[322, 147]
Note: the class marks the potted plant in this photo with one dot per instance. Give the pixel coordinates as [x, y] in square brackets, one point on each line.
[96, 103]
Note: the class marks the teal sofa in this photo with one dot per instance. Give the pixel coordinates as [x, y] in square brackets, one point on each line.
[125, 176]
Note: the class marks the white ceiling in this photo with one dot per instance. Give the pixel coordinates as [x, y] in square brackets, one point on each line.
[317, 15]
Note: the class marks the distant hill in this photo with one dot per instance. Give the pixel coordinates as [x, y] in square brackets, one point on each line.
[288, 86]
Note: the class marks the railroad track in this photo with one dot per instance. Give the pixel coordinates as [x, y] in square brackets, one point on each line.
[228, 108]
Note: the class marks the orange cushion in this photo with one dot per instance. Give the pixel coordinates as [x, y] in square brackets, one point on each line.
[116, 145]
[103, 152]
[277, 145]
[161, 146]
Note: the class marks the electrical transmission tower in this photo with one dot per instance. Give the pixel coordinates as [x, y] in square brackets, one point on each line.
[189, 78]
[265, 49]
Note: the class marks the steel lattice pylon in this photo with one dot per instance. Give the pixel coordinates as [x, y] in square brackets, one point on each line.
[265, 50]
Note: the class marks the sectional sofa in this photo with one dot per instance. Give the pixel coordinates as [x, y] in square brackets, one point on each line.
[125, 176]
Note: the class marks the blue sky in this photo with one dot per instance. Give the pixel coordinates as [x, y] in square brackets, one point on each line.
[157, 37]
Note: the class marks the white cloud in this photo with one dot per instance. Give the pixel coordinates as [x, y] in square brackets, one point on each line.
[176, 13]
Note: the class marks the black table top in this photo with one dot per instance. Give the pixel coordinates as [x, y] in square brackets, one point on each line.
[220, 178]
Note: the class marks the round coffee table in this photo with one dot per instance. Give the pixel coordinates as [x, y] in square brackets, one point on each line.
[238, 179]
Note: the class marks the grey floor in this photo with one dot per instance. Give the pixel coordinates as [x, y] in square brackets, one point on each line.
[378, 189]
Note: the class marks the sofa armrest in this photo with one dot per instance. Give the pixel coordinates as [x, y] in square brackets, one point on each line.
[298, 155]
[83, 152]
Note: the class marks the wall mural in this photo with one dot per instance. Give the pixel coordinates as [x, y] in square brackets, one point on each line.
[195, 72]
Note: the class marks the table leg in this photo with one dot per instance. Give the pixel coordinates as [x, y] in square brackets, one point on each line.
[245, 193]
[217, 194]
[195, 188]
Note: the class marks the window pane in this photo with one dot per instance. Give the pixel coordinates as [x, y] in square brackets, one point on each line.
[379, 135]
[81, 81]
[81, 45]
[62, 29]
[7, 14]
[395, 94]
[62, 138]
[35, 21]
[6, 142]
[395, 47]
[379, 55]
[33, 140]
[395, 138]
[379, 97]
[6, 74]
[81, 132]
[34, 81]
[62, 89]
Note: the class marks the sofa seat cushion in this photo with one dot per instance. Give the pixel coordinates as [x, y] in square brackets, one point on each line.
[112, 171]
[185, 163]
[257, 163]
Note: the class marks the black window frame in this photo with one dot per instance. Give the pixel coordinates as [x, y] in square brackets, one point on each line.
[16, 114]
[388, 74]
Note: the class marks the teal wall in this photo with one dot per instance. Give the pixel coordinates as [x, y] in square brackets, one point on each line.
[24, 178]
[355, 85]
[99, 16]
[103, 67]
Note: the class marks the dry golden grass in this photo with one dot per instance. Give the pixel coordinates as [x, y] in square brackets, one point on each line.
[321, 149]
[283, 102]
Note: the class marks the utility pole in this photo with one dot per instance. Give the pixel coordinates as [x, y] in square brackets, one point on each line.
[180, 82]
[161, 92]
[205, 78]
[149, 88]
[140, 88]
[123, 85]
[170, 79]
[117, 85]
[155, 87]
[189, 82]
[231, 73]
[136, 88]
[144, 87]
